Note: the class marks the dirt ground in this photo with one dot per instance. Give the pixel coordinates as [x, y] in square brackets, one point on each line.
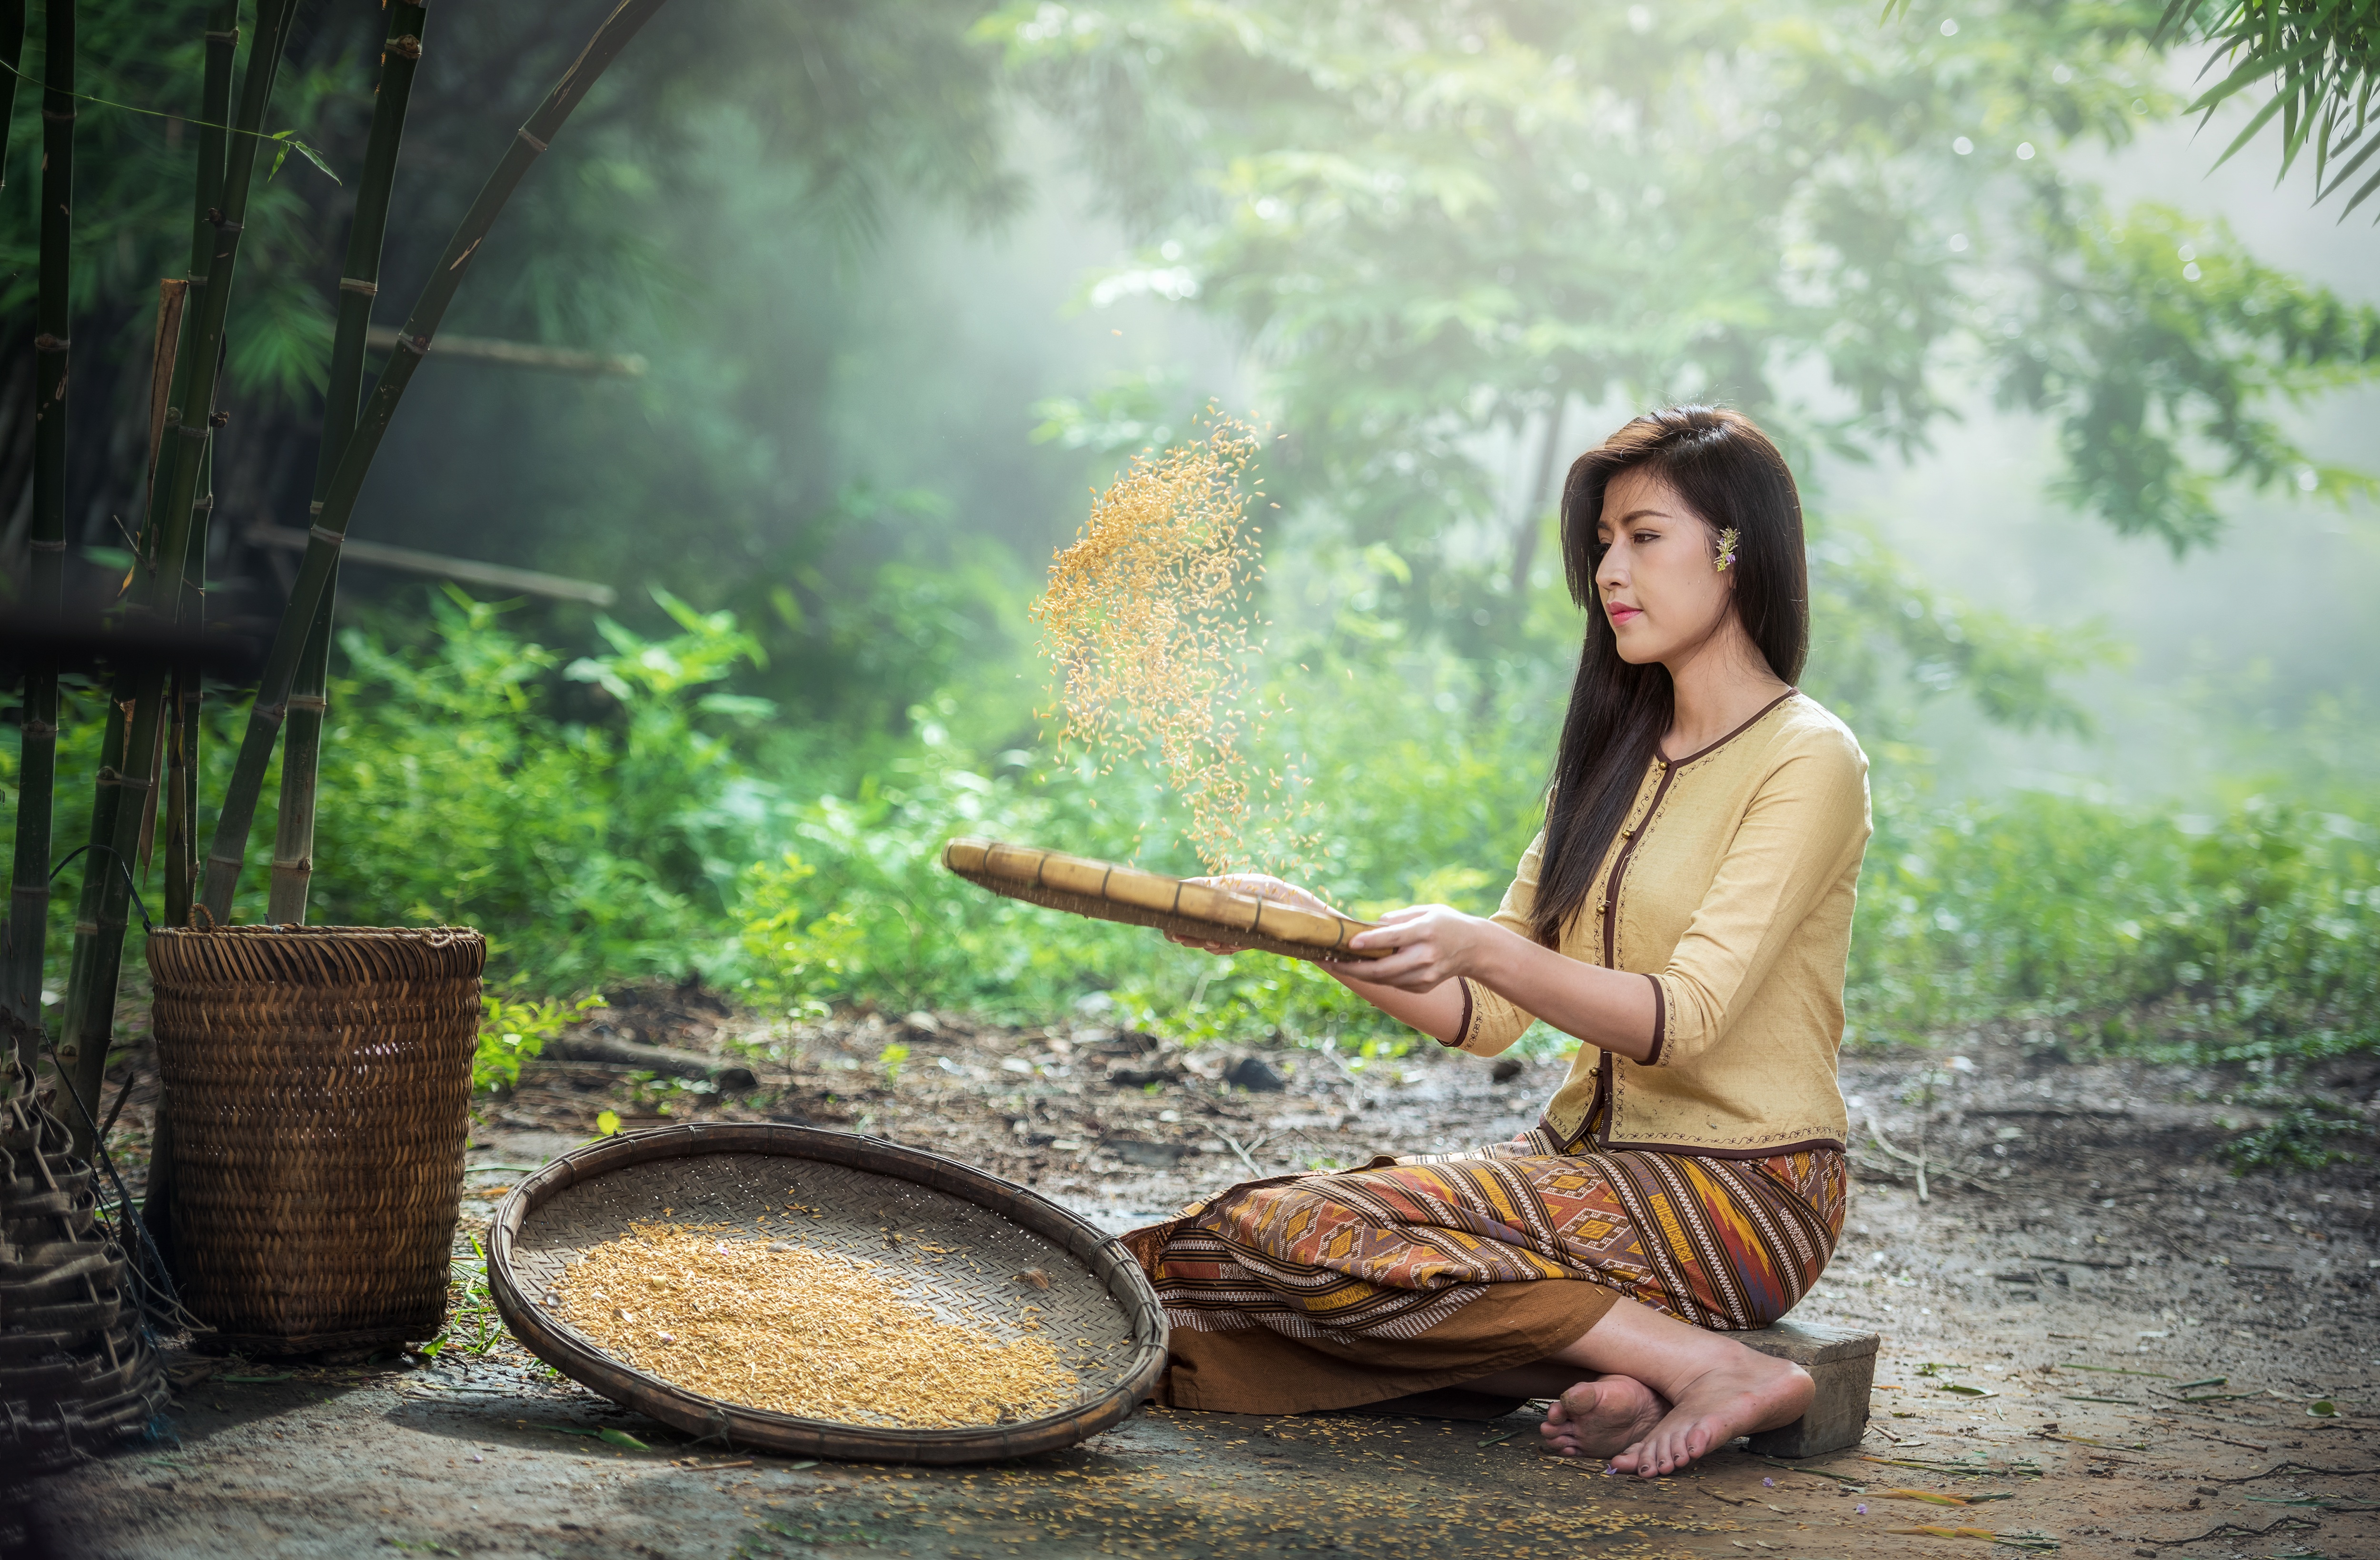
[2095, 1336]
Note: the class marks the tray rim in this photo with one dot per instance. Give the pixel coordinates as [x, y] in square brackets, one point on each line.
[746, 1427]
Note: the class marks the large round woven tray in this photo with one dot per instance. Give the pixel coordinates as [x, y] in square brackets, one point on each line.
[1099, 1309]
[1110, 891]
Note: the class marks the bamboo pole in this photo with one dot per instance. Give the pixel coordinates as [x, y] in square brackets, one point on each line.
[12, 50]
[293, 849]
[29, 882]
[99, 931]
[184, 702]
[238, 814]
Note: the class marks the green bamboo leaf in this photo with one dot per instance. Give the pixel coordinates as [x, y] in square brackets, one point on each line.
[287, 141]
[2360, 195]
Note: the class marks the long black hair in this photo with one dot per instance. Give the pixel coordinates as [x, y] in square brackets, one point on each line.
[1732, 476]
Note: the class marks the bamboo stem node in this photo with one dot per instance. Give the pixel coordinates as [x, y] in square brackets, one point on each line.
[45, 342]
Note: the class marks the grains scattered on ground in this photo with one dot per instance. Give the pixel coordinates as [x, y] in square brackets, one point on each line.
[799, 1331]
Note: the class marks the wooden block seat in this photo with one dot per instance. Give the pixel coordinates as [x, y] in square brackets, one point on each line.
[1843, 1363]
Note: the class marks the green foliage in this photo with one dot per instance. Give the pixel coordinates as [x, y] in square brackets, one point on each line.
[514, 1030]
[2240, 939]
[589, 837]
[2299, 1140]
[2319, 58]
[1438, 225]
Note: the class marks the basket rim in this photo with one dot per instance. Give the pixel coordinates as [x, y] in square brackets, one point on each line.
[767, 1430]
[439, 934]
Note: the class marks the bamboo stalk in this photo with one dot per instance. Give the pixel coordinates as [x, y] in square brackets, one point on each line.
[238, 814]
[99, 935]
[293, 850]
[12, 50]
[164, 352]
[222, 45]
[28, 882]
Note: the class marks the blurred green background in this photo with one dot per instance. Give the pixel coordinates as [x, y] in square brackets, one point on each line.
[2082, 422]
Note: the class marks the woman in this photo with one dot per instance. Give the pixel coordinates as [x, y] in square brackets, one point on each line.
[1686, 913]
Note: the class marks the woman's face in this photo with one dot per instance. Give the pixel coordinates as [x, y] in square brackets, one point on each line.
[1659, 581]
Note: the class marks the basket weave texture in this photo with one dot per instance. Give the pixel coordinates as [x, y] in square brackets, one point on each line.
[1110, 890]
[320, 1082]
[76, 1369]
[1098, 1309]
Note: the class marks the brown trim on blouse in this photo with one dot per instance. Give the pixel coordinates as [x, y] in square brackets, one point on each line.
[1631, 838]
[1660, 1023]
[1462, 1030]
[1695, 1150]
[1731, 736]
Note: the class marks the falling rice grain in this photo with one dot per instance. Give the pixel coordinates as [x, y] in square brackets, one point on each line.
[1148, 624]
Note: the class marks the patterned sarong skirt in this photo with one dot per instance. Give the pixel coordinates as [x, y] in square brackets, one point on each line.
[1342, 1288]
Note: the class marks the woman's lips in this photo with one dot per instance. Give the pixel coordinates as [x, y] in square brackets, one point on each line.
[1622, 615]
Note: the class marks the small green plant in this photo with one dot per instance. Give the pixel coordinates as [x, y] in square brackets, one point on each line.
[2300, 1139]
[890, 1059]
[512, 1030]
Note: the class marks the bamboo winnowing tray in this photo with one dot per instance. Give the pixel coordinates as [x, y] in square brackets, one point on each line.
[1110, 890]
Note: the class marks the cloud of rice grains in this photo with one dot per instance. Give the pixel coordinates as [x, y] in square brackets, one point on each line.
[1150, 627]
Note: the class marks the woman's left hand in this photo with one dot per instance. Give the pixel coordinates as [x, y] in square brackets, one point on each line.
[1434, 943]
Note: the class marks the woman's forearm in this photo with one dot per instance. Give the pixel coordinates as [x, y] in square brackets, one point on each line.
[1615, 1009]
[1611, 1009]
[1437, 1013]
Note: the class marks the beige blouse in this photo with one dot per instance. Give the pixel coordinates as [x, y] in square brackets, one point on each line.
[1730, 886]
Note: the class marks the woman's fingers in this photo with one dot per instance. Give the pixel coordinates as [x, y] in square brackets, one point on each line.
[1415, 968]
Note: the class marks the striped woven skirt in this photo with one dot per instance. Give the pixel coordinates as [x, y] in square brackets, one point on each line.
[1338, 1289]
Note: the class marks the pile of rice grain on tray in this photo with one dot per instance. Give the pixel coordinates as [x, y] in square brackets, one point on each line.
[799, 1331]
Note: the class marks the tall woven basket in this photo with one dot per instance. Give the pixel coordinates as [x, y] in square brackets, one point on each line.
[320, 1084]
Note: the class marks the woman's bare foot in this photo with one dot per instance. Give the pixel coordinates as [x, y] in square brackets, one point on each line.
[1599, 1418]
[1742, 1393]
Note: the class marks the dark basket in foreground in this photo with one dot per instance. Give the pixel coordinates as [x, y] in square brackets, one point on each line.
[76, 1371]
[728, 1173]
[318, 1084]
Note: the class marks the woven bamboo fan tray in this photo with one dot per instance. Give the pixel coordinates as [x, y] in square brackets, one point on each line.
[1109, 891]
[1099, 1309]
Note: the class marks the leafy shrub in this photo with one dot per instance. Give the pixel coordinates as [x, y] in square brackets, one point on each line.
[513, 1031]
[2300, 1139]
[2245, 937]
